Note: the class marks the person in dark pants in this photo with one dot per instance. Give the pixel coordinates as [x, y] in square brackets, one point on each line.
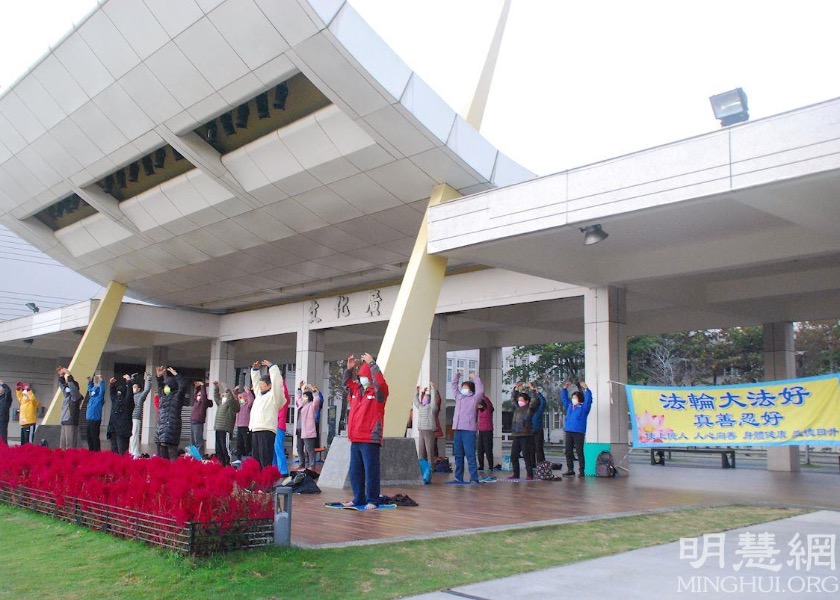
[537, 423]
[522, 432]
[173, 390]
[268, 398]
[122, 405]
[198, 415]
[93, 414]
[367, 396]
[577, 410]
[485, 432]
[226, 408]
[5, 408]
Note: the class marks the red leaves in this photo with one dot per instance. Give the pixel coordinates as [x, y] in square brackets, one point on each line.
[185, 490]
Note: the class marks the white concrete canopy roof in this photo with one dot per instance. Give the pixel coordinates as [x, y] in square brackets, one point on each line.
[329, 202]
[737, 227]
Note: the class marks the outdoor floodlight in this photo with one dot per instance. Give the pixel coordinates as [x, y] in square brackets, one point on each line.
[730, 107]
[33, 307]
[593, 234]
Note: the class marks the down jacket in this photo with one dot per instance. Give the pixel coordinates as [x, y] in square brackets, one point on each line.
[169, 425]
[122, 404]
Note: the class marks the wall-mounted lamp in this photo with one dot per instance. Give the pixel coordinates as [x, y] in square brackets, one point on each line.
[28, 341]
[730, 107]
[593, 234]
[33, 307]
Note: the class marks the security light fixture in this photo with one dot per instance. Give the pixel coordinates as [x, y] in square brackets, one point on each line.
[730, 107]
[33, 307]
[593, 234]
[281, 93]
[212, 132]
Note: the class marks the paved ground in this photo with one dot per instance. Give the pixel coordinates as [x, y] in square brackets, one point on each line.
[775, 560]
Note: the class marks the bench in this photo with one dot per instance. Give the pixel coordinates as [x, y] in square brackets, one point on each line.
[727, 455]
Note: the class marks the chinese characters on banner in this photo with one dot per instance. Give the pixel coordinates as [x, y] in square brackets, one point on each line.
[773, 413]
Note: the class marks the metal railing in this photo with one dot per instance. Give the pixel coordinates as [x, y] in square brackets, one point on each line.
[198, 538]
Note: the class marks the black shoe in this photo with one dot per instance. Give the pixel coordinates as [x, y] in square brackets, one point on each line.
[569, 473]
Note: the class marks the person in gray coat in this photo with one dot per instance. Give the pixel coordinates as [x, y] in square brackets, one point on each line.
[70, 409]
[426, 403]
[226, 408]
[140, 396]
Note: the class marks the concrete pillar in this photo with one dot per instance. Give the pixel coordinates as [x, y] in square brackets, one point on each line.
[309, 368]
[779, 364]
[156, 356]
[223, 370]
[605, 318]
[434, 369]
[491, 370]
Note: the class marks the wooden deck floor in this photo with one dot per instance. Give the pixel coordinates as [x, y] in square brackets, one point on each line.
[447, 508]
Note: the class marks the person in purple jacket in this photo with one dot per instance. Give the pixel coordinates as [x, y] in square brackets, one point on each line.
[485, 432]
[243, 419]
[198, 414]
[464, 426]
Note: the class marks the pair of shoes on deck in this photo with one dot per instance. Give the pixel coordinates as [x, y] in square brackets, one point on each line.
[351, 504]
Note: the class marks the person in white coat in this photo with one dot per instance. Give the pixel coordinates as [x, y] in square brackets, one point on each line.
[268, 398]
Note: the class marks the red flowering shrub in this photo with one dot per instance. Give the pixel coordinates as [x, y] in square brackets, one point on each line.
[184, 490]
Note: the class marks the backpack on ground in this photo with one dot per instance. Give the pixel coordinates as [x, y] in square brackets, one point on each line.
[543, 471]
[604, 465]
[442, 465]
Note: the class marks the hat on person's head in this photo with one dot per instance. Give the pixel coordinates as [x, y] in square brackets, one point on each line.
[172, 383]
[266, 379]
[364, 370]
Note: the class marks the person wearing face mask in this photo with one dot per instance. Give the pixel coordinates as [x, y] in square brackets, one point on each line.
[226, 409]
[269, 397]
[173, 390]
[140, 395]
[28, 411]
[522, 431]
[464, 426]
[93, 414]
[577, 410]
[122, 405]
[70, 405]
[307, 402]
[365, 426]
[425, 406]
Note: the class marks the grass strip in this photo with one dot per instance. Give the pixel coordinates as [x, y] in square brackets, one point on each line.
[53, 559]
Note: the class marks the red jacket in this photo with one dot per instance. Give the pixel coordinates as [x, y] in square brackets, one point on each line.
[366, 420]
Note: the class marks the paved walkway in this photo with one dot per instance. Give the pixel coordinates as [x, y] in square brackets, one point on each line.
[748, 564]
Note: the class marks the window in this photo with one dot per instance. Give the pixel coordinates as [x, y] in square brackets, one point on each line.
[461, 364]
[473, 366]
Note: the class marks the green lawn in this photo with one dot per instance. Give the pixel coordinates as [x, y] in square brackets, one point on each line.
[46, 558]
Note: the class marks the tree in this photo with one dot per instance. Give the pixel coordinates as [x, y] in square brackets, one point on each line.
[818, 347]
[548, 366]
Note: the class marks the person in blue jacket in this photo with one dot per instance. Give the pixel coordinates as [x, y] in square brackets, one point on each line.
[93, 414]
[577, 410]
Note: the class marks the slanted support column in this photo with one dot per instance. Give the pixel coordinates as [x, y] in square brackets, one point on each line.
[434, 369]
[310, 368]
[779, 364]
[86, 357]
[491, 371]
[223, 370]
[401, 353]
[605, 318]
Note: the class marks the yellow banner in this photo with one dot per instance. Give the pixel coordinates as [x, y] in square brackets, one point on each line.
[772, 413]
